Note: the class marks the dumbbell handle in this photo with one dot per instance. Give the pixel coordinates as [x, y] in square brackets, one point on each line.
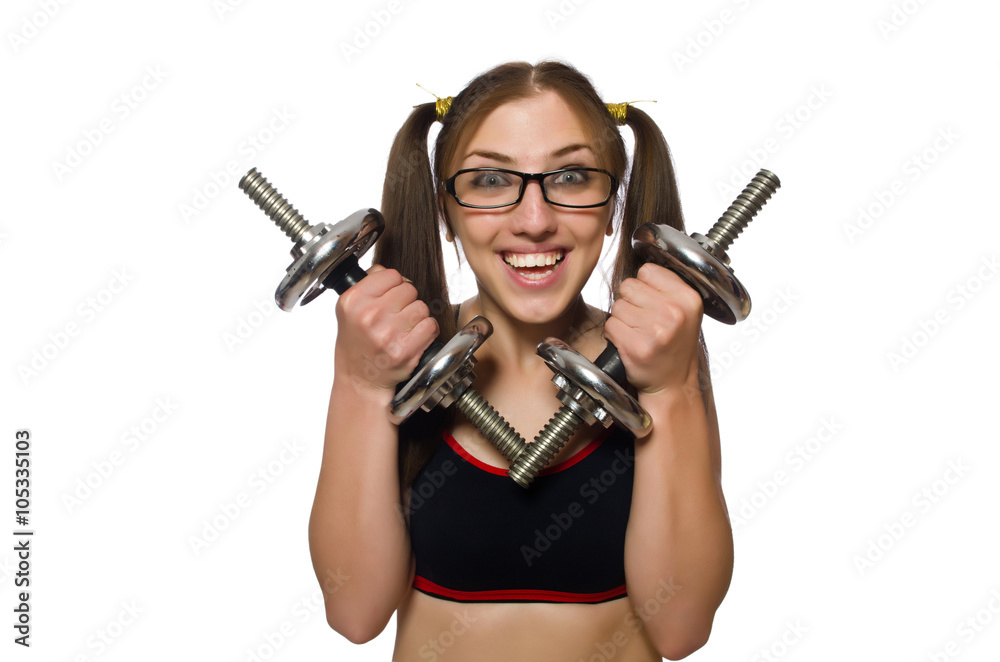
[345, 276]
[611, 362]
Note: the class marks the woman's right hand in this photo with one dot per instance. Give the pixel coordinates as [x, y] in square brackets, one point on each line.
[382, 329]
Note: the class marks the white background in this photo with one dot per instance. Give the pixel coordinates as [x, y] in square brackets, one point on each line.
[120, 308]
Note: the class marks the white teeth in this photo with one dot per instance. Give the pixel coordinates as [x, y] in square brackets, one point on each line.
[534, 259]
[533, 276]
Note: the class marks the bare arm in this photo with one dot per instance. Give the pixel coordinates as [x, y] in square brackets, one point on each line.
[679, 533]
[357, 534]
[679, 544]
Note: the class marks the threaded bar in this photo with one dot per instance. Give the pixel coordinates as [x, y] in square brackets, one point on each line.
[537, 455]
[491, 424]
[279, 210]
[744, 208]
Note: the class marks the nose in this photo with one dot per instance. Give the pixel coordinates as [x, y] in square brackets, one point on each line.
[533, 216]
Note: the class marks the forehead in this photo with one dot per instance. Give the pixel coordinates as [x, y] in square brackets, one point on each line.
[527, 130]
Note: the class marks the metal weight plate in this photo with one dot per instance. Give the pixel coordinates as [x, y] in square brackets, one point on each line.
[725, 298]
[329, 246]
[436, 380]
[566, 361]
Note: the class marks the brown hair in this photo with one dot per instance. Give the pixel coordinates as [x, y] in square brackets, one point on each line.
[411, 242]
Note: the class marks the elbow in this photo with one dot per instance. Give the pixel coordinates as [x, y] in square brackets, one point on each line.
[680, 645]
[357, 627]
[679, 650]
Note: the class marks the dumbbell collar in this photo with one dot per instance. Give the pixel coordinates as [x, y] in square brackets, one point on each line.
[590, 392]
[443, 379]
[322, 249]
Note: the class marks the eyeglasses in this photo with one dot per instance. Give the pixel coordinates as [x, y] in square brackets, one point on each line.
[489, 188]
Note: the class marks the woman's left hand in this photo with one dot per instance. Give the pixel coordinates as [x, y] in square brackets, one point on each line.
[655, 324]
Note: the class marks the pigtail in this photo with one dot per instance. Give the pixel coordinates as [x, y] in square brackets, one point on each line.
[411, 244]
[651, 196]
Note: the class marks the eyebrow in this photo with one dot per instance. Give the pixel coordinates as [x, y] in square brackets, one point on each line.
[503, 158]
[569, 149]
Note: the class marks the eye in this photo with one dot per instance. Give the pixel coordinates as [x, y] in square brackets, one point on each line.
[488, 179]
[569, 178]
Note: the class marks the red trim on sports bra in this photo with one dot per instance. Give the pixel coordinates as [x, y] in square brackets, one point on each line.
[516, 594]
[500, 471]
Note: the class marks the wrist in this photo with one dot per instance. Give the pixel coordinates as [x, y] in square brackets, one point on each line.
[361, 395]
[685, 393]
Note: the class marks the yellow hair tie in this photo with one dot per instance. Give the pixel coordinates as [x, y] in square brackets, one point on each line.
[618, 110]
[441, 106]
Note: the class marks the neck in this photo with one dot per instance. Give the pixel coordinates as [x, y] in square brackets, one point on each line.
[514, 341]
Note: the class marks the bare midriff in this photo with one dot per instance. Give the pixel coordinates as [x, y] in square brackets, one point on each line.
[429, 628]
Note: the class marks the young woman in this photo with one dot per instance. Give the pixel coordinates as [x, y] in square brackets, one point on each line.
[622, 548]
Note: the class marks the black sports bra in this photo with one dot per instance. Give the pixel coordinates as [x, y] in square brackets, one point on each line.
[479, 537]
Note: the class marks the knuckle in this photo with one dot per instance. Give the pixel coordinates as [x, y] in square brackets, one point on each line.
[661, 336]
[696, 303]
[421, 310]
[367, 317]
[345, 302]
[396, 352]
[617, 308]
[382, 337]
[433, 328]
[408, 290]
[650, 273]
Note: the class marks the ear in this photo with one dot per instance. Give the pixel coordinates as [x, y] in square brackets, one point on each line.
[449, 235]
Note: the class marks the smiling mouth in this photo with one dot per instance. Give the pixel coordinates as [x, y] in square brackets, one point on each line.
[534, 266]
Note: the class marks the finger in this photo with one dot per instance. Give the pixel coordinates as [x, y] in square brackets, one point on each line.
[626, 338]
[640, 294]
[658, 287]
[413, 343]
[380, 280]
[628, 313]
[373, 286]
[414, 313]
[659, 277]
[397, 298]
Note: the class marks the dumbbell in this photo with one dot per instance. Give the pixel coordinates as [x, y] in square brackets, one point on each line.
[446, 379]
[326, 256]
[701, 261]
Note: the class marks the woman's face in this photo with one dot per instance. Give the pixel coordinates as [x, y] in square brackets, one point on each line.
[535, 134]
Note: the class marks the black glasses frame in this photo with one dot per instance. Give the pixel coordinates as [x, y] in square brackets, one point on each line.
[449, 186]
